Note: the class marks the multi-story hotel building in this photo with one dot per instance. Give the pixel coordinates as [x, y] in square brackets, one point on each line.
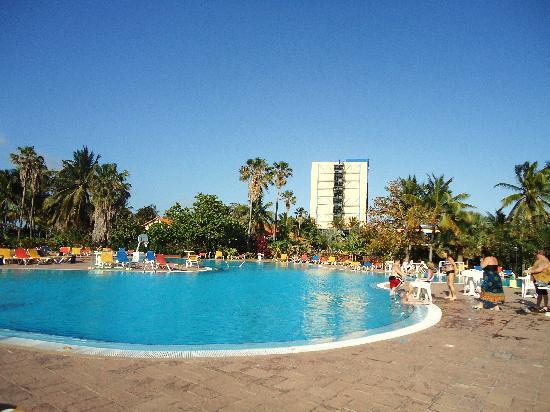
[339, 189]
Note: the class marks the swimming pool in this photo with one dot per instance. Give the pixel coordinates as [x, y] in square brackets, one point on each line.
[256, 306]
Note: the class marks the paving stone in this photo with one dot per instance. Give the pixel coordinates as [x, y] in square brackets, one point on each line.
[491, 352]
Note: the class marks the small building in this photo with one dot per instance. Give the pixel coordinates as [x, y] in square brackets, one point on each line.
[156, 220]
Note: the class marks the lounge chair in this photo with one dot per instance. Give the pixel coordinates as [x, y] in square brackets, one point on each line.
[163, 264]
[366, 266]
[192, 260]
[354, 265]
[76, 251]
[106, 259]
[315, 259]
[150, 260]
[65, 250]
[23, 256]
[508, 273]
[33, 253]
[283, 258]
[219, 255]
[122, 258]
[331, 260]
[304, 258]
[86, 251]
[7, 255]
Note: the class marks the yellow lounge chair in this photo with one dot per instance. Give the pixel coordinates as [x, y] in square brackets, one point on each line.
[219, 254]
[33, 253]
[355, 265]
[192, 260]
[284, 257]
[7, 254]
[75, 251]
[331, 260]
[107, 260]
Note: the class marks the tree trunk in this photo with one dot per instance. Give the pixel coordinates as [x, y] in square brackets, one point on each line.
[408, 254]
[276, 215]
[249, 219]
[21, 213]
[99, 233]
[31, 217]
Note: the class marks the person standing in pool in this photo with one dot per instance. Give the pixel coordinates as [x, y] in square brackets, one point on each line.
[396, 277]
[492, 292]
[450, 271]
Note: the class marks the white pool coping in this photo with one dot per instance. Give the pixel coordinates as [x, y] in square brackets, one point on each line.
[432, 317]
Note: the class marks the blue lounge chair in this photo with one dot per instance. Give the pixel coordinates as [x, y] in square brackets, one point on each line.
[367, 266]
[150, 260]
[122, 257]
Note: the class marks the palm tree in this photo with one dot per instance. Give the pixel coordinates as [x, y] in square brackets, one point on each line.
[532, 197]
[444, 209]
[290, 200]
[70, 203]
[281, 171]
[109, 195]
[258, 175]
[301, 214]
[37, 171]
[24, 161]
[263, 217]
[10, 190]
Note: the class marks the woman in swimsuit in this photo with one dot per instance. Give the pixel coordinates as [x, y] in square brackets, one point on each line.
[450, 270]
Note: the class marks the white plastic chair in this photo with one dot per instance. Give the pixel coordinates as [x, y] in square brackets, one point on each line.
[472, 282]
[419, 287]
[527, 287]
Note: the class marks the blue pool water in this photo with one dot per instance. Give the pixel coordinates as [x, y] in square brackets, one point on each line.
[258, 303]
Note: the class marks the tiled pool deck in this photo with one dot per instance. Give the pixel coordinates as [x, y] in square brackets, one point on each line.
[468, 361]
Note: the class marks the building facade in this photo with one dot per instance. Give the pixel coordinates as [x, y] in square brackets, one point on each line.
[339, 189]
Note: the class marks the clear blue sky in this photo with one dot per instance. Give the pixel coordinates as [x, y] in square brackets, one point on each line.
[182, 93]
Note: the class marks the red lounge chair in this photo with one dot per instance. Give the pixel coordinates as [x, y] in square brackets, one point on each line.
[162, 263]
[22, 255]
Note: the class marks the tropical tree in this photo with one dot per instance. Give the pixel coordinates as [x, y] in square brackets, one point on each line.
[281, 172]
[70, 204]
[10, 190]
[38, 170]
[146, 213]
[301, 214]
[290, 200]
[257, 173]
[444, 208]
[30, 167]
[263, 217]
[110, 193]
[532, 198]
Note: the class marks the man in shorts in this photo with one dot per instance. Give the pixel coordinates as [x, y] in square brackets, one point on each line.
[540, 272]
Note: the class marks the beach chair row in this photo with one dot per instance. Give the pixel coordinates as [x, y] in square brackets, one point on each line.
[38, 255]
[139, 260]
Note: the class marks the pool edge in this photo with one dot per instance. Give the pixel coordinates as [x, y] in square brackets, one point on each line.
[432, 317]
